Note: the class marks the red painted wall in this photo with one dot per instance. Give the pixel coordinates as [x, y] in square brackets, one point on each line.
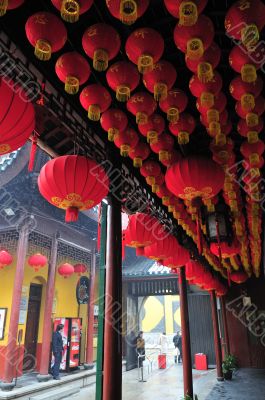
[17, 361]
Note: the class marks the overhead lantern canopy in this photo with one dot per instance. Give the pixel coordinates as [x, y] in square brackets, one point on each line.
[101, 43]
[127, 11]
[160, 80]
[95, 99]
[126, 140]
[113, 121]
[72, 9]
[123, 78]
[9, 5]
[186, 11]
[46, 33]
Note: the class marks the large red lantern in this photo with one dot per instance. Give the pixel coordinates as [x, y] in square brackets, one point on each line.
[246, 92]
[127, 11]
[206, 90]
[126, 140]
[73, 70]
[73, 183]
[186, 11]
[150, 170]
[37, 261]
[245, 63]
[244, 21]
[46, 33]
[5, 259]
[113, 121]
[226, 250]
[173, 156]
[95, 99]
[239, 277]
[194, 40]
[66, 270]
[163, 145]
[17, 117]
[153, 128]
[164, 194]
[179, 259]
[80, 269]
[123, 78]
[142, 105]
[144, 47]
[101, 42]
[183, 128]
[160, 80]
[160, 179]
[205, 65]
[9, 5]
[258, 110]
[72, 9]
[174, 104]
[162, 249]
[140, 153]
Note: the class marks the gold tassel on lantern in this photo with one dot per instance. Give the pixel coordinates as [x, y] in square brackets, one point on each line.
[173, 115]
[207, 99]
[125, 150]
[100, 60]
[111, 133]
[212, 115]
[128, 11]
[141, 118]
[70, 10]
[214, 128]
[43, 50]
[152, 137]
[71, 85]
[250, 36]
[254, 158]
[151, 180]
[183, 137]
[145, 63]
[195, 48]
[188, 13]
[163, 155]
[3, 7]
[123, 93]
[160, 91]
[247, 102]
[137, 163]
[248, 73]
[94, 112]
[205, 72]
[252, 119]
[220, 139]
[253, 136]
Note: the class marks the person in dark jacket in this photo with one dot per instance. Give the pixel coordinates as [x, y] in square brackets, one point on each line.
[57, 349]
[177, 340]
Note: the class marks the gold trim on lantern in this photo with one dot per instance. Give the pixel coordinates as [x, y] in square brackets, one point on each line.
[152, 137]
[155, 188]
[248, 73]
[165, 200]
[43, 50]
[183, 137]
[205, 72]
[123, 93]
[100, 60]
[207, 99]
[212, 115]
[214, 128]
[141, 118]
[3, 7]
[254, 158]
[254, 172]
[195, 48]
[145, 63]
[128, 11]
[253, 136]
[188, 13]
[71, 85]
[137, 162]
[125, 150]
[163, 155]
[70, 11]
[4, 148]
[252, 119]
[250, 35]
[173, 115]
[171, 208]
[247, 101]
[94, 112]
[111, 133]
[160, 91]
[220, 139]
[150, 180]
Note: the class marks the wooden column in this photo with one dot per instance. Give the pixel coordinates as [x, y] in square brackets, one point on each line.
[224, 318]
[11, 349]
[47, 319]
[185, 329]
[112, 377]
[90, 322]
[217, 341]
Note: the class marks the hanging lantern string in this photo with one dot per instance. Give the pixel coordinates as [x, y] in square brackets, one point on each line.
[40, 101]
[34, 144]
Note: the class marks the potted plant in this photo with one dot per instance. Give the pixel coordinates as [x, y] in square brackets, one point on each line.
[229, 366]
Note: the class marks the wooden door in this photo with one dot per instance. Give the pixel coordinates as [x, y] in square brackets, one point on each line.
[32, 327]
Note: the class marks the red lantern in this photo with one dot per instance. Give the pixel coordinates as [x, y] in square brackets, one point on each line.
[72, 9]
[73, 183]
[123, 78]
[160, 179]
[144, 47]
[163, 146]
[142, 105]
[73, 70]
[95, 99]
[80, 269]
[126, 141]
[251, 133]
[46, 33]
[186, 11]
[179, 259]
[252, 152]
[173, 156]
[244, 20]
[213, 115]
[258, 110]
[153, 128]
[183, 128]
[174, 104]
[239, 277]
[220, 102]
[17, 117]
[205, 65]
[150, 170]
[101, 42]
[113, 121]
[164, 194]
[37, 261]
[127, 11]
[245, 63]
[194, 40]
[206, 91]
[66, 270]
[9, 5]
[140, 153]
[160, 80]
[5, 259]
[227, 250]
[162, 249]
[246, 92]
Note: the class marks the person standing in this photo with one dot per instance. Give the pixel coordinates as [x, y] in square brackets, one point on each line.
[140, 348]
[177, 340]
[163, 343]
[57, 349]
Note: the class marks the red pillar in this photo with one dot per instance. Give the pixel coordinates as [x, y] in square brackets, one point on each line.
[112, 375]
[11, 349]
[224, 317]
[47, 319]
[217, 341]
[185, 329]
[90, 322]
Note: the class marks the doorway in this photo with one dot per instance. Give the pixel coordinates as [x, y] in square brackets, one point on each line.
[32, 327]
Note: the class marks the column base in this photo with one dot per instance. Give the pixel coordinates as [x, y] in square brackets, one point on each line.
[7, 387]
[88, 366]
[43, 378]
[220, 378]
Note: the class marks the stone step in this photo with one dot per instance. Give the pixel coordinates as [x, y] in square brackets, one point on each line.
[58, 394]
